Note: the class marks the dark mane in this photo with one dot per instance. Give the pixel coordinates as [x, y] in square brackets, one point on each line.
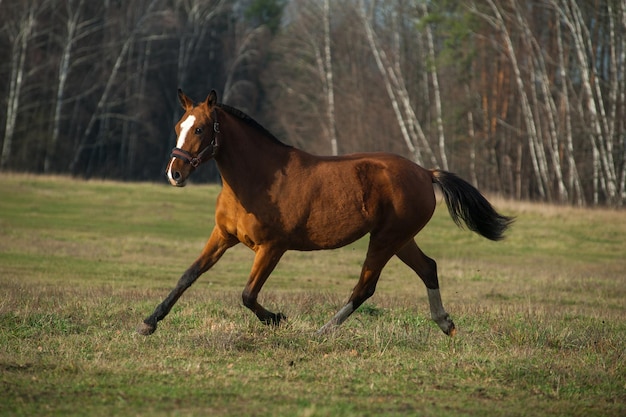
[250, 121]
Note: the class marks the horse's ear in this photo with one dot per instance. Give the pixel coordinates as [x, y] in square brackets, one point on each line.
[211, 99]
[185, 101]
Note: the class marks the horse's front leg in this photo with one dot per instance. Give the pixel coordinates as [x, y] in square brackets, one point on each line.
[264, 263]
[212, 252]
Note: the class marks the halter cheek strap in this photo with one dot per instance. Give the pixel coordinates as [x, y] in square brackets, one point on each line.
[214, 146]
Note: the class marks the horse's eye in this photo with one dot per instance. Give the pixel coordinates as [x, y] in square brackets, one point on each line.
[198, 130]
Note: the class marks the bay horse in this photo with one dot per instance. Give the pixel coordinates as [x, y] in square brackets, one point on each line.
[276, 198]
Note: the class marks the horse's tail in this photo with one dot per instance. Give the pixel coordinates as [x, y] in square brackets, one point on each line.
[466, 203]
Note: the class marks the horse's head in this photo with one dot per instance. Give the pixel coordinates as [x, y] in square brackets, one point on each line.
[197, 140]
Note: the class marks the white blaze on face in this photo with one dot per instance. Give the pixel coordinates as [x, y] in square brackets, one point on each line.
[185, 126]
[184, 129]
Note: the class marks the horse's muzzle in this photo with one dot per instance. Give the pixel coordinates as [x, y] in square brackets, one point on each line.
[175, 176]
[176, 179]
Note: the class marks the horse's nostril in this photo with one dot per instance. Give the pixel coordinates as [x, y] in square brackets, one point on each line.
[176, 175]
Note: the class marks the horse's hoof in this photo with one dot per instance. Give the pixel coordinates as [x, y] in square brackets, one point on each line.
[446, 324]
[451, 330]
[146, 329]
[278, 317]
[273, 319]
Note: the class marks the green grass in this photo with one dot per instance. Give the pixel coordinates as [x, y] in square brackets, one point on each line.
[540, 315]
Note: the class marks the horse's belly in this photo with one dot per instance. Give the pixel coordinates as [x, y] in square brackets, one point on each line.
[329, 228]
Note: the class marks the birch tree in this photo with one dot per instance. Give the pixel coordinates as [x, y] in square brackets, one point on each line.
[535, 147]
[574, 179]
[328, 86]
[194, 31]
[410, 127]
[599, 133]
[102, 103]
[545, 105]
[436, 92]
[20, 32]
[76, 28]
[302, 77]
[620, 72]
[531, 103]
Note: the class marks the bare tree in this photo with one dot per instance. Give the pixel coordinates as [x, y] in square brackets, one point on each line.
[436, 91]
[194, 30]
[241, 86]
[328, 86]
[77, 27]
[110, 82]
[528, 98]
[599, 134]
[302, 78]
[620, 72]
[543, 102]
[20, 31]
[574, 179]
[410, 126]
[538, 160]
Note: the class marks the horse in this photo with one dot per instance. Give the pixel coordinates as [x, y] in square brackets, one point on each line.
[276, 198]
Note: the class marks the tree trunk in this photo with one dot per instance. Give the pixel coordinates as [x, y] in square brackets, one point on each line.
[330, 94]
[574, 180]
[436, 92]
[538, 162]
[603, 167]
[71, 27]
[104, 97]
[398, 93]
[18, 59]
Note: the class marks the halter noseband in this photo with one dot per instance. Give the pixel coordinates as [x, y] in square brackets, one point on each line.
[194, 161]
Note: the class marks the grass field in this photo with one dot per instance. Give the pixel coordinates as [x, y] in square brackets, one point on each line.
[540, 316]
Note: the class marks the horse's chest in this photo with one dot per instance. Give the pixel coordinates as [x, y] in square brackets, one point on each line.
[248, 229]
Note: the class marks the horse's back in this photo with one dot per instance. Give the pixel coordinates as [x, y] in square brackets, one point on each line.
[328, 202]
[369, 191]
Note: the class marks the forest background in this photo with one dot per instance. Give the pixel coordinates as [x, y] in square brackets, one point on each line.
[523, 98]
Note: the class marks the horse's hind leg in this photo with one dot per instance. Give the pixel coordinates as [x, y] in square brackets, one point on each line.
[426, 268]
[377, 257]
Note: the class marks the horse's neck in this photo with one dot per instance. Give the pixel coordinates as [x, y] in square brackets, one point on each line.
[247, 159]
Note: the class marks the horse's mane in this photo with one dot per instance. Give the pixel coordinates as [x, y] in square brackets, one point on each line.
[250, 121]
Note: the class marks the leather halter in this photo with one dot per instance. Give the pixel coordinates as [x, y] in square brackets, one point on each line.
[194, 161]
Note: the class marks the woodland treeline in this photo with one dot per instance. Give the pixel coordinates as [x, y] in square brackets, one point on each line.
[522, 98]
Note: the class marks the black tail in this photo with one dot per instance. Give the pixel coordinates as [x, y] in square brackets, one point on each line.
[466, 203]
